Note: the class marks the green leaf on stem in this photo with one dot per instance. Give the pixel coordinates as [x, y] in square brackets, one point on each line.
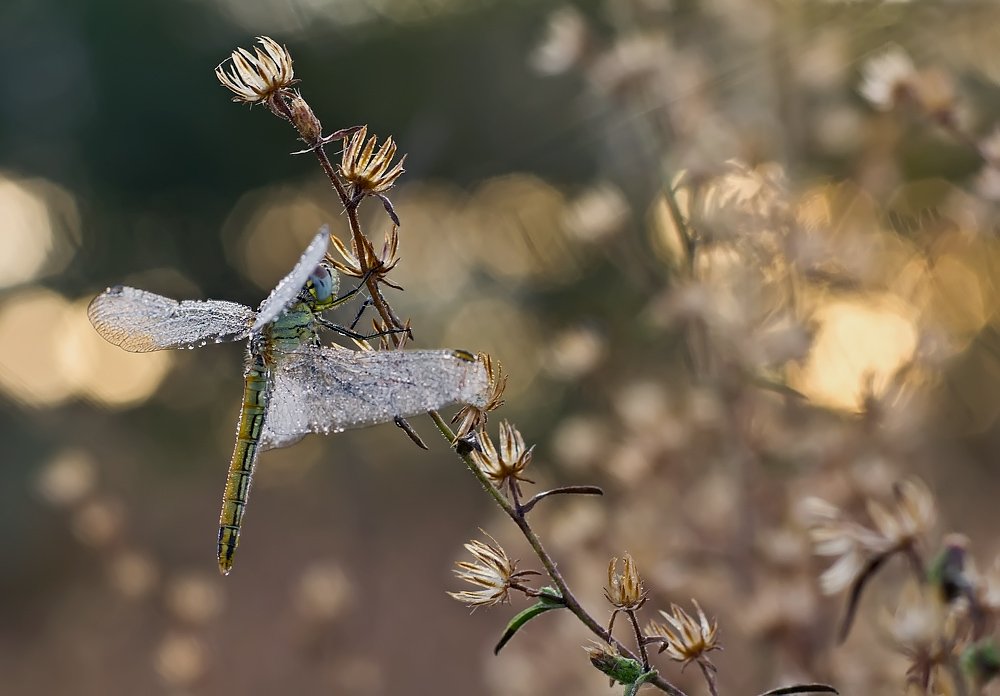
[547, 600]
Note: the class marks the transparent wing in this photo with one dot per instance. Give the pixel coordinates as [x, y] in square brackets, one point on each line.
[288, 289]
[141, 321]
[319, 389]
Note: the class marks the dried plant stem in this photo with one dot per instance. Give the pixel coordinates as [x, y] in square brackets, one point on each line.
[351, 207]
[709, 673]
[381, 306]
[569, 599]
[639, 638]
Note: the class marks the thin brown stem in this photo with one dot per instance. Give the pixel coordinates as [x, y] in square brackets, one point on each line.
[639, 641]
[709, 674]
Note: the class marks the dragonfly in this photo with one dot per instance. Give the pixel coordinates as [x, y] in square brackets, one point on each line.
[293, 384]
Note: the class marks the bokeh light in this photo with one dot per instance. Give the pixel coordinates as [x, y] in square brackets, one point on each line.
[268, 229]
[859, 342]
[31, 363]
[65, 357]
[39, 228]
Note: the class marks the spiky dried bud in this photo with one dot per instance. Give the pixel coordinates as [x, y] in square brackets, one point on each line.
[618, 668]
[624, 591]
[686, 638]
[471, 418]
[369, 171]
[492, 571]
[258, 77]
[504, 467]
[357, 264]
[304, 120]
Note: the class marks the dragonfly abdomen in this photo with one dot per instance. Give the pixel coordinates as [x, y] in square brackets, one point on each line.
[256, 392]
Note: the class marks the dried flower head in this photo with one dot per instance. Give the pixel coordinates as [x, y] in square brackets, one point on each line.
[492, 571]
[910, 517]
[624, 590]
[686, 639]
[358, 265]
[564, 43]
[504, 467]
[888, 79]
[471, 417]
[368, 171]
[260, 76]
[898, 526]
[923, 630]
[837, 537]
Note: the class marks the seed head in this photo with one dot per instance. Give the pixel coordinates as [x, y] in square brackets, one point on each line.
[687, 639]
[624, 591]
[899, 525]
[357, 264]
[368, 170]
[505, 468]
[492, 571]
[888, 79]
[472, 418]
[260, 76]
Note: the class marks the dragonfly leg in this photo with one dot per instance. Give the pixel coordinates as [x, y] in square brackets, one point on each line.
[357, 317]
[351, 293]
[344, 331]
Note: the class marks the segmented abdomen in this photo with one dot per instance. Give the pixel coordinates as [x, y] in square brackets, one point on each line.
[256, 391]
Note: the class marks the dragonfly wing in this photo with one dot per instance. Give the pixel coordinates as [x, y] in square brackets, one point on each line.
[319, 389]
[141, 321]
[288, 289]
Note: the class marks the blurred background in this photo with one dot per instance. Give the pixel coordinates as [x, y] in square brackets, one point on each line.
[823, 324]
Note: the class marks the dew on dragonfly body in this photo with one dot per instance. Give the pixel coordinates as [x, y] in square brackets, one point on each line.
[312, 388]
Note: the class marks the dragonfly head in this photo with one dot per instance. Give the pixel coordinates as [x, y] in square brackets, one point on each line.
[321, 287]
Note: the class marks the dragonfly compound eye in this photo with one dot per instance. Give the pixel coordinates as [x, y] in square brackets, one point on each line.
[322, 282]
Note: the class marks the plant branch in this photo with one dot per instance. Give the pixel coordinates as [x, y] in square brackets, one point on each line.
[572, 603]
[351, 207]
